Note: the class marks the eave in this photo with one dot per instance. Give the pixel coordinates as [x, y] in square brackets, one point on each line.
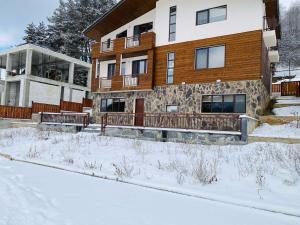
[122, 13]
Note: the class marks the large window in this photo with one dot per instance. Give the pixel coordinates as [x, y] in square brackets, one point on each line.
[139, 67]
[111, 69]
[212, 57]
[172, 23]
[113, 105]
[170, 67]
[123, 68]
[211, 15]
[224, 103]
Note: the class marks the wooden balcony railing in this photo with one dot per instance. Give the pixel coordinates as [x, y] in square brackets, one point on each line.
[210, 122]
[130, 81]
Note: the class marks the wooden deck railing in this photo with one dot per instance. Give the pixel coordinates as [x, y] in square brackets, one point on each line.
[70, 106]
[15, 112]
[210, 122]
[87, 102]
[41, 107]
[66, 118]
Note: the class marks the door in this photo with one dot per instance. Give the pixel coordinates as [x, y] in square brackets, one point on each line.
[139, 113]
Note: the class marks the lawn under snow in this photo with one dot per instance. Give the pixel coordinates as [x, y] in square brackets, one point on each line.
[34, 195]
[261, 174]
[290, 130]
[287, 111]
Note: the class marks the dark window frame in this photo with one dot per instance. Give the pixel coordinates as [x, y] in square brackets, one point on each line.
[109, 75]
[168, 67]
[223, 95]
[208, 15]
[113, 100]
[139, 61]
[170, 24]
[207, 55]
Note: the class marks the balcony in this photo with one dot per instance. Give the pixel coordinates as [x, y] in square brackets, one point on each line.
[108, 50]
[105, 83]
[269, 33]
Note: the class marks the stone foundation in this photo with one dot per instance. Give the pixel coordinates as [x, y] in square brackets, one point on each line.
[188, 97]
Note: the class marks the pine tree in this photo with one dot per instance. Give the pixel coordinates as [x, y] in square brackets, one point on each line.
[30, 32]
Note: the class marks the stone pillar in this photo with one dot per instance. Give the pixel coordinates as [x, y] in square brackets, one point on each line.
[28, 62]
[71, 73]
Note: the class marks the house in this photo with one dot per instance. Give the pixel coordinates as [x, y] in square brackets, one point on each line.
[186, 56]
[36, 74]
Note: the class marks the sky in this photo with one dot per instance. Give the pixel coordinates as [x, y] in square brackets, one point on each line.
[16, 14]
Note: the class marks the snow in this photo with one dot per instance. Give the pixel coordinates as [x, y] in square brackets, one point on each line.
[262, 175]
[32, 195]
[290, 100]
[289, 130]
[287, 111]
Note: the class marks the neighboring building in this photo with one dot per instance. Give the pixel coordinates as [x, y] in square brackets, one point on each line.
[186, 56]
[35, 74]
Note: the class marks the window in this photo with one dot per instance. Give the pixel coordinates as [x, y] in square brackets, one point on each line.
[224, 103]
[122, 35]
[172, 108]
[142, 28]
[97, 68]
[211, 15]
[172, 23]
[113, 105]
[170, 67]
[139, 67]
[123, 68]
[212, 57]
[111, 70]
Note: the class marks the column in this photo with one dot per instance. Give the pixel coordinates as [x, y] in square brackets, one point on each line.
[8, 63]
[71, 73]
[89, 79]
[24, 92]
[28, 62]
[3, 95]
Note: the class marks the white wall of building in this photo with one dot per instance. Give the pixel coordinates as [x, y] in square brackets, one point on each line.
[44, 93]
[128, 61]
[242, 16]
[104, 67]
[147, 18]
[77, 95]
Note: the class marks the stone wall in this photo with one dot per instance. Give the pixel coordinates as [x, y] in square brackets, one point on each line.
[188, 97]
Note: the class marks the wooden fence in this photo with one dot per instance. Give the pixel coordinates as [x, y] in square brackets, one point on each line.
[276, 88]
[79, 119]
[15, 112]
[87, 102]
[40, 107]
[71, 106]
[290, 89]
[174, 121]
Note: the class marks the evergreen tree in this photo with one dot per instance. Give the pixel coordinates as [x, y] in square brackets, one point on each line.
[30, 32]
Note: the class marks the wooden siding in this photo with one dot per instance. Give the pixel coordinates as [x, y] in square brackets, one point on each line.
[242, 60]
[15, 112]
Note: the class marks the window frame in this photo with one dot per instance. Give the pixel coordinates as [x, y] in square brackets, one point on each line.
[208, 14]
[114, 100]
[109, 76]
[208, 58]
[168, 67]
[139, 61]
[170, 24]
[223, 96]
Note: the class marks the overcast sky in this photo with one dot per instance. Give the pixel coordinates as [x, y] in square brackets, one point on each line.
[16, 14]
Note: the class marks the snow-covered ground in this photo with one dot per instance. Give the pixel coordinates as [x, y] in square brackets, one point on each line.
[264, 175]
[289, 130]
[32, 195]
[287, 111]
[288, 100]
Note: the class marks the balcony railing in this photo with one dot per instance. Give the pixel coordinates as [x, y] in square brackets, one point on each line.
[105, 83]
[134, 41]
[107, 46]
[130, 81]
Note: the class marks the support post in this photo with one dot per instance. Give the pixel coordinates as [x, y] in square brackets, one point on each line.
[28, 62]
[71, 73]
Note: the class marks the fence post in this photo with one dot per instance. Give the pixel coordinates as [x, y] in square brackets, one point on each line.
[244, 129]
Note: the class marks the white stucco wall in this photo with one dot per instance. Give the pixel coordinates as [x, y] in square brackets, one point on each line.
[242, 16]
[44, 93]
[104, 68]
[77, 95]
[147, 18]
[129, 61]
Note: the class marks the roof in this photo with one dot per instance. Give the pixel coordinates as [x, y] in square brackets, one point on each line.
[122, 13]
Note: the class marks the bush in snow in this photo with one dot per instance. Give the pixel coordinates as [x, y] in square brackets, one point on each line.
[124, 168]
[205, 171]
